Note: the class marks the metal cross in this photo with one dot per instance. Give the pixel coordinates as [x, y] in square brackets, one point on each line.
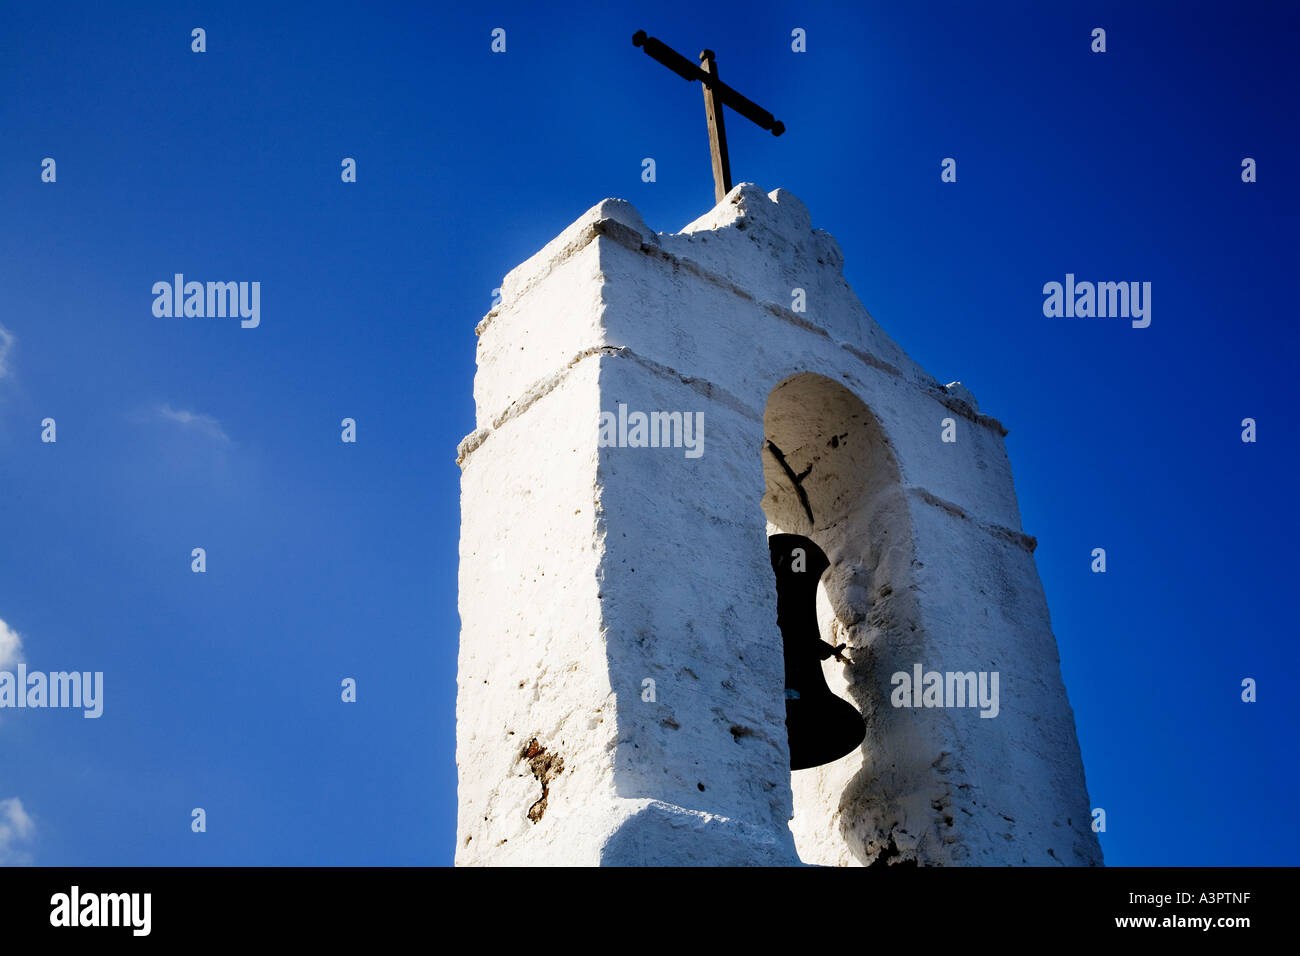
[716, 95]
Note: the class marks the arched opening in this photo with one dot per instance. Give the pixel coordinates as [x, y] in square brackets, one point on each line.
[830, 475]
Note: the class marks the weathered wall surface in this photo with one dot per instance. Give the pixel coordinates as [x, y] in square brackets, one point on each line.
[587, 571]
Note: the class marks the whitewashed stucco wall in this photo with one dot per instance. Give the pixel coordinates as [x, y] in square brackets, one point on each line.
[587, 570]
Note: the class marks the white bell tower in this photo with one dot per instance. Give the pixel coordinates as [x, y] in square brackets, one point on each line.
[621, 694]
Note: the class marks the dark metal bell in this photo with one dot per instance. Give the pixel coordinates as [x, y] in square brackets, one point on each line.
[821, 726]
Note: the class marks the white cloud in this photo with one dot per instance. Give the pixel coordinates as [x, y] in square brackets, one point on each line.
[16, 828]
[203, 423]
[11, 647]
[7, 340]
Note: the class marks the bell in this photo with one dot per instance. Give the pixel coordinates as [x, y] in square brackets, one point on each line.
[821, 726]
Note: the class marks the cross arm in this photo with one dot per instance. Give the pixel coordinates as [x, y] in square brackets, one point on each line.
[658, 50]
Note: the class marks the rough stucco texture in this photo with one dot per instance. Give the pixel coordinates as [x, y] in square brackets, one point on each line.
[620, 696]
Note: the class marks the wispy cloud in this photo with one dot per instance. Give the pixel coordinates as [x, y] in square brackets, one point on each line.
[7, 340]
[16, 829]
[11, 647]
[197, 421]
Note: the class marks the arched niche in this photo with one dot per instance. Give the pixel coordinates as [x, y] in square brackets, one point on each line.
[831, 475]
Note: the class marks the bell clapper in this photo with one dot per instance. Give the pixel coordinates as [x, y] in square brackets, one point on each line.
[835, 652]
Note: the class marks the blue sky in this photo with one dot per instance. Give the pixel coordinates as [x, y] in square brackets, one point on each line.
[328, 560]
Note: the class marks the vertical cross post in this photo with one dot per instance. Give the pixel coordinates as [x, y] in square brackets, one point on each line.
[717, 130]
[716, 95]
